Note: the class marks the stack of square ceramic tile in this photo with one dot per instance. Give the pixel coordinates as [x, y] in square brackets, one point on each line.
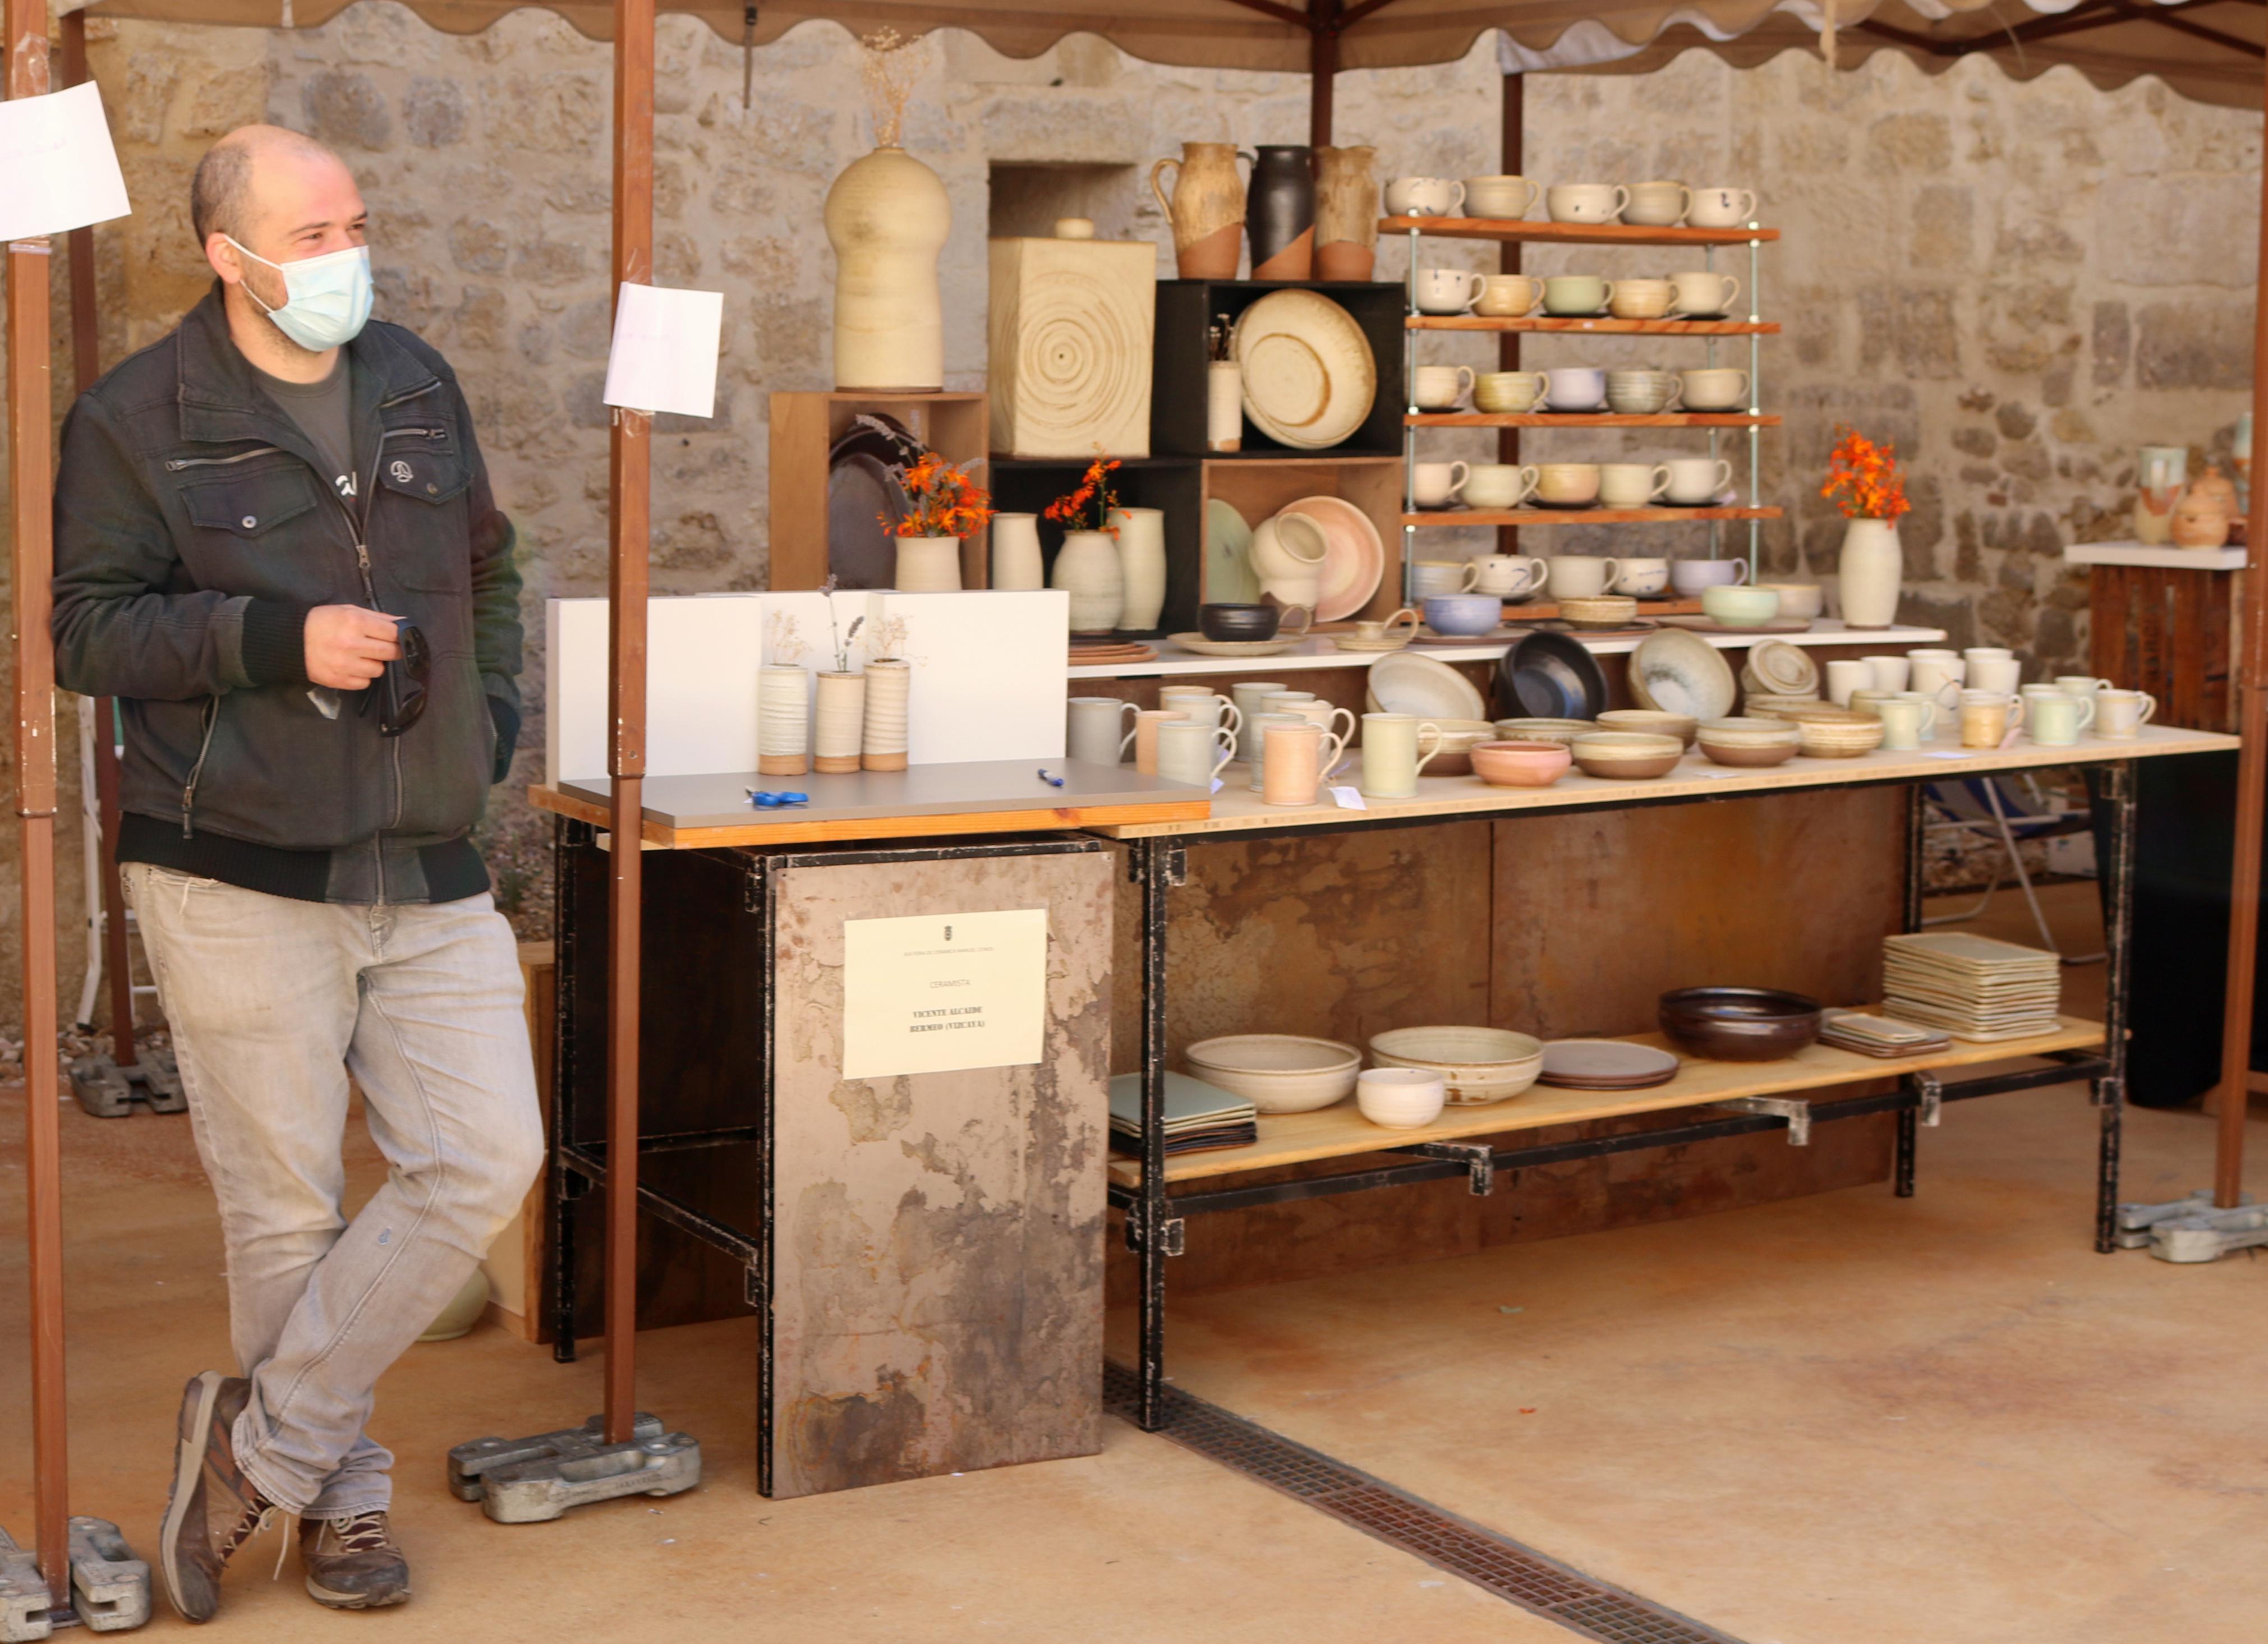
[1198, 1116]
[1971, 986]
[1879, 1035]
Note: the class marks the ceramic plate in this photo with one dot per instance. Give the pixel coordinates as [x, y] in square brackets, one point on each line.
[1228, 578]
[861, 550]
[1679, 672]
[1419, 685]
[1309, 376]
[1205, 647]
[1355, 562]
[1348, 642]
[1783, 669]
[1615, 1060]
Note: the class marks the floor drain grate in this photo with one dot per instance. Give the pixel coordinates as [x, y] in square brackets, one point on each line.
[1491, 1562]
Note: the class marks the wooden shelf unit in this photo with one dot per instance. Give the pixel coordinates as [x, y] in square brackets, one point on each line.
[1582, 516]
[1587, 419]
[804, 427]
[1571, 233]
[1600, 325]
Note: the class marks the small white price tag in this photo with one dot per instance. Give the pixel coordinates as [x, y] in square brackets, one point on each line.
[1349, 799]
[1949, 752]
[1216, 784]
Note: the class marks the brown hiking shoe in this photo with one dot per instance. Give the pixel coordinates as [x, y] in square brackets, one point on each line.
[352, 1563]
[212, 1509]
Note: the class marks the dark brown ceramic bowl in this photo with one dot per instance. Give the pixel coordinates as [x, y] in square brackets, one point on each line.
[1229, 623]
[1740, 1024]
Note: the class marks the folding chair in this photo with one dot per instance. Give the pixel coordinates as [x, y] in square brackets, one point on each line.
[2014, 812]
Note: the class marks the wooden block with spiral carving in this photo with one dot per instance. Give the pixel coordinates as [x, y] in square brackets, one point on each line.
[1071, 324]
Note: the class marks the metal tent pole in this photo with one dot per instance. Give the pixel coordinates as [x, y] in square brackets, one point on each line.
[1513, 139]
[1323, 26]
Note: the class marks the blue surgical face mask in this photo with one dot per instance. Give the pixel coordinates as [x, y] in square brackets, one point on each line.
[327, 299]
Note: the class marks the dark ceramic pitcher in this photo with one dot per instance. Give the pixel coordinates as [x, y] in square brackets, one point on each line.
[1279, 212]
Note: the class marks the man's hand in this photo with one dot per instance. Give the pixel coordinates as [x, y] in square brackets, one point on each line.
[349, 646]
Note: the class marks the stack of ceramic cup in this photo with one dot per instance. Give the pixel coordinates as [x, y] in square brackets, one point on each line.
[882, 746]
[784, 721]
[1971, 986]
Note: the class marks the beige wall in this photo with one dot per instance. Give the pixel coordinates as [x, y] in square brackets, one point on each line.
[2018, 283]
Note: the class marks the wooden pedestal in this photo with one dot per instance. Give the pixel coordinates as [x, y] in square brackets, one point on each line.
[806, 426]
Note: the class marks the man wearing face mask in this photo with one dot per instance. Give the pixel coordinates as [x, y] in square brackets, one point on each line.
[276, 546]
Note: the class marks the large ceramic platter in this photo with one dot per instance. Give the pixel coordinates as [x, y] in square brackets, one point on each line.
[1354, 562]
[1201, 646]
[1228, 576]
[864, 500]
[1309, 376]
[1680, 673]
[1419, 685]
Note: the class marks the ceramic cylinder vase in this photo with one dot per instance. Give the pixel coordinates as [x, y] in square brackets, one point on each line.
[1224, 406]
[840, 728]
[1141, 566]
[1088, 569]
[928, 564]
[1346, 214]
[1206, 210]
[1016, 563]
[1872, 568]
[882, 744]
[2161, 474]
[1279, 212]
[887, 216]
[783, 721]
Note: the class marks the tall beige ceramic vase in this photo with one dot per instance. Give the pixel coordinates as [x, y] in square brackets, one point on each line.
[886, 218]
[1346, 214]
[1872, 567]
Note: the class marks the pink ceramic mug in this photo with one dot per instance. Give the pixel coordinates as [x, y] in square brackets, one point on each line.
[1296, 761]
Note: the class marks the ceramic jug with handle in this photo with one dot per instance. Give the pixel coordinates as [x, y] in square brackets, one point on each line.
[1206, 210]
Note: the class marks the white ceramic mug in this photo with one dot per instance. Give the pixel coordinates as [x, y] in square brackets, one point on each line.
[2001, 674]
[1703, 293]
[1576, 388]
[1425, 196]
[1938, 678]
[1194, 752]
[1641, 577]
[1143, 739]
[1905, 720]
[1693, 577]
[1445, 291]
[1097, 725]
[1438, 387]
[1657, 204]
[1891, 672]
[1315, 710]
[1694, 482]
[1430, 577]
[1295, 761]
[1203, 705]
[1498, 486]
[1436, 485]
[2122, 713]
[1585, 202]
[1632, 485]
[1580, 576]
[1391, 756]
[2084, 685]
[2056, 720]
[1845, 676]
[1713, 388]
[1988, 654]
[1509, 575]
[1248, 695]
[1508, 296]
[1721, 208]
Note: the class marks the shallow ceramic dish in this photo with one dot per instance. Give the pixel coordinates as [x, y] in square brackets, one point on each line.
[1800, 599]
[1838, 733]
[1204, 647]
[1419, 685]
[1356, 563]
[1229, 574]
[1777, 668]
[1278, 1073]
[1309, 376]
[1606, 1064]
[1750, 743]
[1563, 732]
[1740, 1024]
[1400, 1098]
[1459, 737]
[1777, 707]
[1600, 611]
[1626, 755]
[1682, 673]
[1521, 765]
[1551, 675]
[1348, 642]
[1478, 1065]
[1660, 722]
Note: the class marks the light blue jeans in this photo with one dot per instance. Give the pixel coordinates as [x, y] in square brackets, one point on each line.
[273, 1003]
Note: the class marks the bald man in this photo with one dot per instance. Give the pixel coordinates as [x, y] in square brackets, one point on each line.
[276, 546]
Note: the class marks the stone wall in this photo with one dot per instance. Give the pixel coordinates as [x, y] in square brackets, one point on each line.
[2018, 283]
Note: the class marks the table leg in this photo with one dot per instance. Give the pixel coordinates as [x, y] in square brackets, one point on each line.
[2111, 790]
[1158, 864]
[567, 837]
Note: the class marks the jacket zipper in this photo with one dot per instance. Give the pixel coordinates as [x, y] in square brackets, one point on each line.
[176, 464]
[205, 746]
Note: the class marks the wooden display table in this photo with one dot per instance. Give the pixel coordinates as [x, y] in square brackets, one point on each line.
[2165, 620]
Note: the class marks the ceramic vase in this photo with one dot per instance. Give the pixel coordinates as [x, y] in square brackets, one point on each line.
[1224, 406]
[2161, 473]
[783, 721]
[1141, 566]
[1206, 210]
[928, 564]
[888, 688]
[886, 218]
[1088, 569]
[1016, 563]
[841, 723]
[1346, 214]
[1279, 212]
[1872, 568]
[2200, 520]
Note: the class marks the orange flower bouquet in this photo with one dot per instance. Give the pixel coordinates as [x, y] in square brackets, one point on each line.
[1863, 479]
[945, 501]
[1086, 507]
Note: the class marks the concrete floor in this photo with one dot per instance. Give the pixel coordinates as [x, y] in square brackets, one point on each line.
[1847, 1420]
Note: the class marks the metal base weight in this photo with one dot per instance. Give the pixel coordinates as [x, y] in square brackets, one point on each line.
[110, 1586]
[526, 1481]
[2191, 1230]
[107, 1091]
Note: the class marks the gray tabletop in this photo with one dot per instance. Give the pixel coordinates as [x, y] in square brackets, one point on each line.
[721, 800]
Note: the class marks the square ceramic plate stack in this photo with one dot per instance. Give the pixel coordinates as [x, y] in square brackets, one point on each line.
[1971, 986]
[1879, 1035]
[1198, 1116]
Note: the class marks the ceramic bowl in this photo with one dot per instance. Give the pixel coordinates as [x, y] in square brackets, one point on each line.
[1805, 600]
[1459, 737]
[1681, 726]
[1478, 1065]
[1563, 732]
[1401, 683]
[1680, 673]
[1464, 614]
[1739, 1024]
[1278, 1073]
[1750, 742]
[1625, 756]
[1737, 606]
[1227, 622]
[1602, 611]
[1507, 764]
[1838, 733]
[1775, 667]
[1776, 707]
[1551, 675]
[1400, 1098]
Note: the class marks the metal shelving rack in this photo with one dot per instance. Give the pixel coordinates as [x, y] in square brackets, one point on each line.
[1754, 420]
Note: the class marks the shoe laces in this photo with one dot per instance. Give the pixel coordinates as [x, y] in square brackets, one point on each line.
[256, 1517]
[365, 1532]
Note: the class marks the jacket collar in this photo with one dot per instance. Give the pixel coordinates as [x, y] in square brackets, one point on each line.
[221, 400]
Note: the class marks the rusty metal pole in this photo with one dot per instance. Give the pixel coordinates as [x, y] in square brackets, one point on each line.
[31, 469]
[1322, 69]
[1513, 143]
[629, 507]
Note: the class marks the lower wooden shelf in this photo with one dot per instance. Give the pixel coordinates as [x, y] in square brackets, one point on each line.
[1341, 1131]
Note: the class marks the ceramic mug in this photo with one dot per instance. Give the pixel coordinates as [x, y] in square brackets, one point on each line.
[1987, 717]
[1714, 388]
[1317, 712]
[2000, 674]
[1632, 485]
[1508, 296]
[1205, 706]
[1567, 484]
[1987, 653]
[1576, 294]
[1425, 196]
[1657, 204]
[1643, 392]
[1939, 713]
[1295, 761]
[1891, 672]
[1391, 759]
[1436, 485]
[1508, 390]
[1443, 576]
[1248, 693]
[1576, 388]
[1143, 739]
[1445, 291]
[1464, 614]
[1695, 482]
[1703, 293]
[1721, 208]
[2083, 685]
[1097, 725]
[1194, 752]
[1500, 198]
[2122, 713]
[1585, 202]
[1640, 299]
[1940, 678]
[1905, 721]
[1438, 387]
[1257, 753]
[1690, 577]
[1510, 576]
[1581, 576]
[2057, 719]
[1375, 632]
[1846, 678]
[1642, 577]
[1498, 486]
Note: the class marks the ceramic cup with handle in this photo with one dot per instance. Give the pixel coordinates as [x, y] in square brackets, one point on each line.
[1988, 716]
[1395, 748]
[1508, 390]
[1939, 713]
[1714, 388]
[1987, 653]
[2086, 686]
[1511, 575]
[1567, 485]
[1693, 577]
[1097, 729]
[1643, 392]
[2056, 720]
[1868, 700]
[1425, 196]
[1585, 202]
[1702, 294]
[1437, 484]
[1581, 576]
[1498, 486]
[1316, 711]
[1660, 204]
[1508, 296]
[1632, 485]
[1940, 678]
[1906, 721]
[1194, 752]
[1642, 577]
[1446, 291]
[1576, 295]
[1256, 752]
[1500, 198]
[1295, 761]
[1697, 482]
[1640, 299]
[2122, 713]
[1576, 388]
[1847, 676]
[1721, 208]
[1203, 704]
[1438, 387]
[1891, 672]
[1248, 695]
[1464, 614]
[2001, 674]
[1377, 630]
[1429, 577]
[1143, 739]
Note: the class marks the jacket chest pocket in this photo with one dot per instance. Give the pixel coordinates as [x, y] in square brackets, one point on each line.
[427, 546]
[257, 533]
[251, 506]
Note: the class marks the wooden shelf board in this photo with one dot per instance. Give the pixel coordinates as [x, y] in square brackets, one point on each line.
[1586, 419]
[1584, 516]
[1600, 326]
[1235, 459]
[661, 835]
[1341, 1131]
[1571, 233]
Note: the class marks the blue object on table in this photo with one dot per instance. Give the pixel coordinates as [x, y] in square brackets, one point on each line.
[1053, 782]
[764, 799]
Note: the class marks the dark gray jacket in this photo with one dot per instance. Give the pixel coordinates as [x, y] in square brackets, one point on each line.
[194, 532]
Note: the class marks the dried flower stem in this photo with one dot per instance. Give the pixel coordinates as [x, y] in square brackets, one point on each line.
[889, 64]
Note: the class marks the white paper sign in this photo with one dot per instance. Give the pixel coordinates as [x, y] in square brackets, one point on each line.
[937, 992]
[664, 356]
[61, 172]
